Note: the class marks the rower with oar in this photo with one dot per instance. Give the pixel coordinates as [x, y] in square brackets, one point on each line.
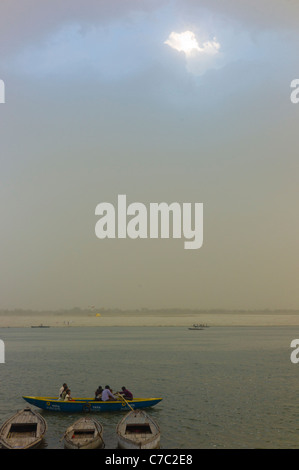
[126, 393]
[125, 402]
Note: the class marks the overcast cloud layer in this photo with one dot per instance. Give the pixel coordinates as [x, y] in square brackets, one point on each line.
[99, 104]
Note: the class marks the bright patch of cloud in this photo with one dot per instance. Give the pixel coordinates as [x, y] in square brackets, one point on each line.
[201, 56]
[186, 42]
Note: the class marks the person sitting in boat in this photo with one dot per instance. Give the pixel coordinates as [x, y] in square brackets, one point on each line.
[98, 393]
[68, 396]
[107, 394]
[126, 393]
[62, 390]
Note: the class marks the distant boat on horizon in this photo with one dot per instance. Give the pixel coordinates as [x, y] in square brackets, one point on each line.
[40, 326]
[198, 327]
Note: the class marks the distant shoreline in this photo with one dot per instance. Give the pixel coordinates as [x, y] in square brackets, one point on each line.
[183, 318]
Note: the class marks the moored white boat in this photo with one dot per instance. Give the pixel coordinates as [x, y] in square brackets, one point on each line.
[137, 430]
[85, 433]
[24, 430]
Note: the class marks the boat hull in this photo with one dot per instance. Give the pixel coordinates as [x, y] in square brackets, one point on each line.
[24, 430]
[86, 433]
[138, 431]
[125, 444]
[94, 444]
[88, 404]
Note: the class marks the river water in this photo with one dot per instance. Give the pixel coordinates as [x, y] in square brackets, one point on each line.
[222, 387]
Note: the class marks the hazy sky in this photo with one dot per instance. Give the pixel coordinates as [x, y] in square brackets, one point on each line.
[164, 101]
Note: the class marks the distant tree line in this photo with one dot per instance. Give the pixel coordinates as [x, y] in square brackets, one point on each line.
[144, 310]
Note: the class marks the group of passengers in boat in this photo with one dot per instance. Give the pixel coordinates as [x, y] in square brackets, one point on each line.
[101, 394]
[106, 394]
[65, 393]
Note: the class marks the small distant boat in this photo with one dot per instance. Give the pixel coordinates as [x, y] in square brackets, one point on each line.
[24, 430]
[196, 327]
[40, 326]
[85, 433]
[137, 430]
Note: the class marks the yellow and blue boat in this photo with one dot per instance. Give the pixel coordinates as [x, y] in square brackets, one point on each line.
[89, 404]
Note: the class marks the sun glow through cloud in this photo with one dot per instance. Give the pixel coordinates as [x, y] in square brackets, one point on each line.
[186, 42]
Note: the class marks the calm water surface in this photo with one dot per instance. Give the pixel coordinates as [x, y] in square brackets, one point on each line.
[222, 387]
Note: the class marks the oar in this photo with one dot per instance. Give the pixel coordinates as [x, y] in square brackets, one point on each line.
[61, 439]
[122, 398]
[65, 433]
